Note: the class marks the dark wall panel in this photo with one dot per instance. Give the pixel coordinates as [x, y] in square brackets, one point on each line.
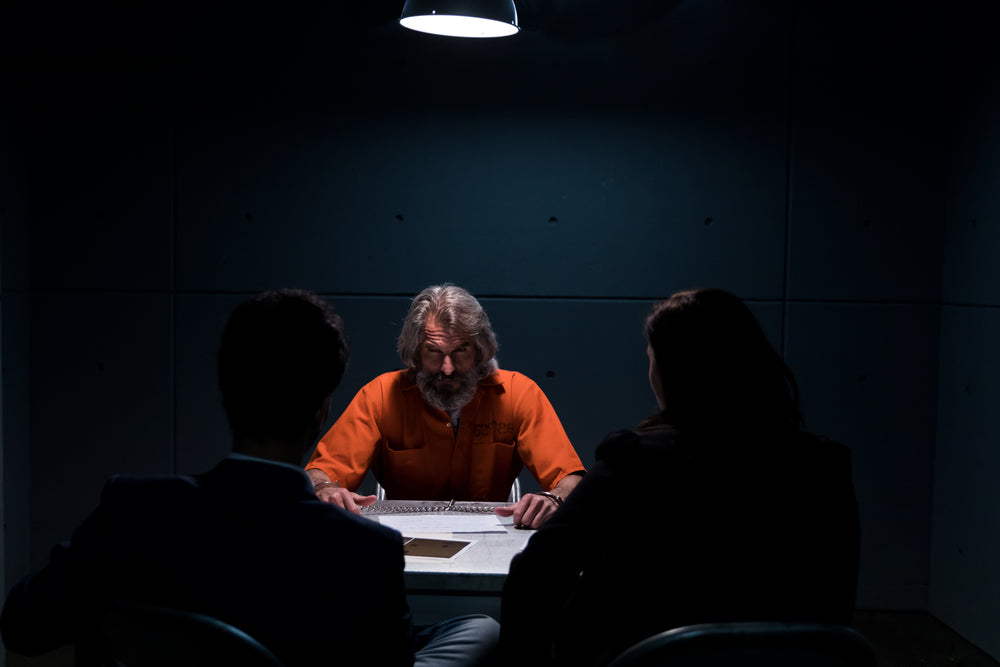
[965, 548]
[867, 374]
[16, 452]
[972, 231]
[99, 181]
[101, 402]
[867, 204]
[14, 337]
[592, 204]
[965, 582]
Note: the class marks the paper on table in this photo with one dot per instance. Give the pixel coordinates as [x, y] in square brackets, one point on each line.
[434, 549]
[410, 524]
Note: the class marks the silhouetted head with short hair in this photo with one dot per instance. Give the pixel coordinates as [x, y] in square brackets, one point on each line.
[282, 354]
[717, 369]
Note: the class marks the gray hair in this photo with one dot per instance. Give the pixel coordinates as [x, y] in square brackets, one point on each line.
[457, 311]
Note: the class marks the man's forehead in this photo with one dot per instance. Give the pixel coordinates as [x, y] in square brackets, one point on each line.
[443, 337]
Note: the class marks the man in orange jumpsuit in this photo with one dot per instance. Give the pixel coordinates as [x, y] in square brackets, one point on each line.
[452, 425]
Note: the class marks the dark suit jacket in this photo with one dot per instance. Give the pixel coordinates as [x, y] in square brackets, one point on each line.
[664, 532]
[247, 543]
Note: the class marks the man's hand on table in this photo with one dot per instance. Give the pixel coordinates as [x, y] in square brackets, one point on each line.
[531, 511]
[534, 509]
[330, 491]
[341, 497]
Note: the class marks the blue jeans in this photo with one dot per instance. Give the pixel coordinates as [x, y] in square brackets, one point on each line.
[463, 641]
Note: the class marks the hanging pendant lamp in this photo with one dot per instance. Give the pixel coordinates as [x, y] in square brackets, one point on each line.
[461, 18]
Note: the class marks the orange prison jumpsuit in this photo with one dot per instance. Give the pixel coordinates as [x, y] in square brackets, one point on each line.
[416, 454]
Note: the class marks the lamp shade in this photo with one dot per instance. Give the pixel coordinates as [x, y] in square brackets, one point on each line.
[461, 18]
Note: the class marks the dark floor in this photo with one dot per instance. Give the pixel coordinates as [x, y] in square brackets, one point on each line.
[900, 639]
[912, 639]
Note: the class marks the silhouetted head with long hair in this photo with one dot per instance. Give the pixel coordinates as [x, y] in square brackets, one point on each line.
[712, 368]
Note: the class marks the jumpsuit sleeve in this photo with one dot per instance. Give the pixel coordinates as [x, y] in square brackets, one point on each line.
[346, 451]
[542, 442]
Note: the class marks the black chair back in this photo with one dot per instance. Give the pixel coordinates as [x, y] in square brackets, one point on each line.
[752, 645]
[149, 636]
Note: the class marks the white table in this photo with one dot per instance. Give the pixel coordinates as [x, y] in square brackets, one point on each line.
[472, 581]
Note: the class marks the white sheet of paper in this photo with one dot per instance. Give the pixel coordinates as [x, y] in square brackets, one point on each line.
[415, 524]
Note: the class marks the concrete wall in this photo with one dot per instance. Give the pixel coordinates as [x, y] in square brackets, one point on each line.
[965, 585]
[14, 446]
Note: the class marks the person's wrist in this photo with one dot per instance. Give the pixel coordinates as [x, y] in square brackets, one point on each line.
[553, 497]
[322, 485]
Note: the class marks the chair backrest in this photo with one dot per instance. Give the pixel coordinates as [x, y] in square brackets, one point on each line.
[149, 636]
[752, 644]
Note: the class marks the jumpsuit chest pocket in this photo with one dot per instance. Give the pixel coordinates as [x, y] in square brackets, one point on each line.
[494, 433]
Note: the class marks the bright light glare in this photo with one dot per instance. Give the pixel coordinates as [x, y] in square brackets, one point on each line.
[458, 26]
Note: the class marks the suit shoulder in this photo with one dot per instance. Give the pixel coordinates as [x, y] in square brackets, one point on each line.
[126, 484]
[359, 525]
[629, 446]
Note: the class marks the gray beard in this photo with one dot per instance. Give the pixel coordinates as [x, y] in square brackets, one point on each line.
[449, 400]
